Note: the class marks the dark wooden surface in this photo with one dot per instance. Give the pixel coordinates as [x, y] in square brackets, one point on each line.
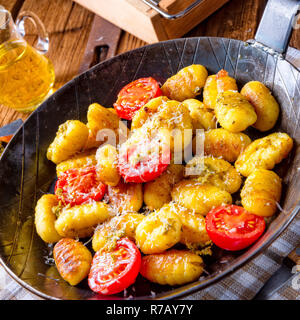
[69, 26]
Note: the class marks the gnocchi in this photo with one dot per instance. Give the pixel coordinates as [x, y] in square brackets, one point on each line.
[261, 192]
[107, 165]
[107, 233]
[159, 231]
[72, 259]
[186, 84]
[45, 218]
[158, 192]
[173, 267]
[199, 197]
[266, 107]
[78, 161]
[202, 118]
[79, 221]
[126, 196]
[225, 144]
[217, 172]
[234, 112]
[264, 153]
[70, 138]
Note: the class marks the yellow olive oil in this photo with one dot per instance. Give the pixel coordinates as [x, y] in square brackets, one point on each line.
[26, 76]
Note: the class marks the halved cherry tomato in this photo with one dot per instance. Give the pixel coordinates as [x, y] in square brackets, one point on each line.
[113, 271]
[143, 161]
[76, 186]
[135, 95]
[233, 228]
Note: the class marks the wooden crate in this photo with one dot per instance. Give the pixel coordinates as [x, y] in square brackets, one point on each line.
[136, 17]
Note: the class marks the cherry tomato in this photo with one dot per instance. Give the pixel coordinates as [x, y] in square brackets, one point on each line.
[76, 186]
[143, 161]
[113, 271]
[233, 228]
[135, 95]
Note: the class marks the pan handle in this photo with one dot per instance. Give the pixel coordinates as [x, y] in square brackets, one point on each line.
[275, 28]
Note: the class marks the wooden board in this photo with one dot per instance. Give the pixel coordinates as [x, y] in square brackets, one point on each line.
[145, 23]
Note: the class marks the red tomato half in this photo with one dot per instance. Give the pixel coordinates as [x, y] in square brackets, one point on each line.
[135, 95]
[233, 228]
[113, 271]
[76, 186]
[144, 161]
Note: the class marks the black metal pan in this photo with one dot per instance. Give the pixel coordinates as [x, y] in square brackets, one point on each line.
[26, 174]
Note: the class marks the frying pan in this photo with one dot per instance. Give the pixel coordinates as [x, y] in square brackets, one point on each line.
[26, 174]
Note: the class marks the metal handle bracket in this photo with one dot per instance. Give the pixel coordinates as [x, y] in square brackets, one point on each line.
[154, 4]
[276, 24]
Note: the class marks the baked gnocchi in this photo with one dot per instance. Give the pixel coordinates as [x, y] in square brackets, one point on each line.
[202, 117]
[159, 231]
[264, 153]
[224, 144]
[198, 196]
[261, 192]
[266, 107]
[173, 267]
[234, 112]
[214, 171]
[132, 197]
[72, 259]
[126, 196]
[45, 218]
[158, 192]
[186, 84]
[70, 138]
[80, 221]
[107, 234]
[107, 165]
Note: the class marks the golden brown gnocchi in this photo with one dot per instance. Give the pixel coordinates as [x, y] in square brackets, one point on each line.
[158, 192]
[199, 197]
[225, 82]
[217, 172]
[234, 112]
[107, 165]
[186, 84]
[79, 221]
[173, 267]
[107, 233]
[210, 91]
[225, 144]
[78, 161]
[45, 218]
[261, 192]
[101, 121]
[73, 260]
[70, 138]
[126, 196]
[264, 153]
[173, 118]
[147, 111]
[202, 118]
[266, 107]
[159, 231]
[193, 233]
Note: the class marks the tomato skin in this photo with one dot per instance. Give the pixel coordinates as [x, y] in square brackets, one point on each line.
[114, 281]
[228, 227]
[135, 95]
[146, 170]
[77, 186]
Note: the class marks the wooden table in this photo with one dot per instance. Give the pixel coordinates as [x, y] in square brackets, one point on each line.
[69, 26]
